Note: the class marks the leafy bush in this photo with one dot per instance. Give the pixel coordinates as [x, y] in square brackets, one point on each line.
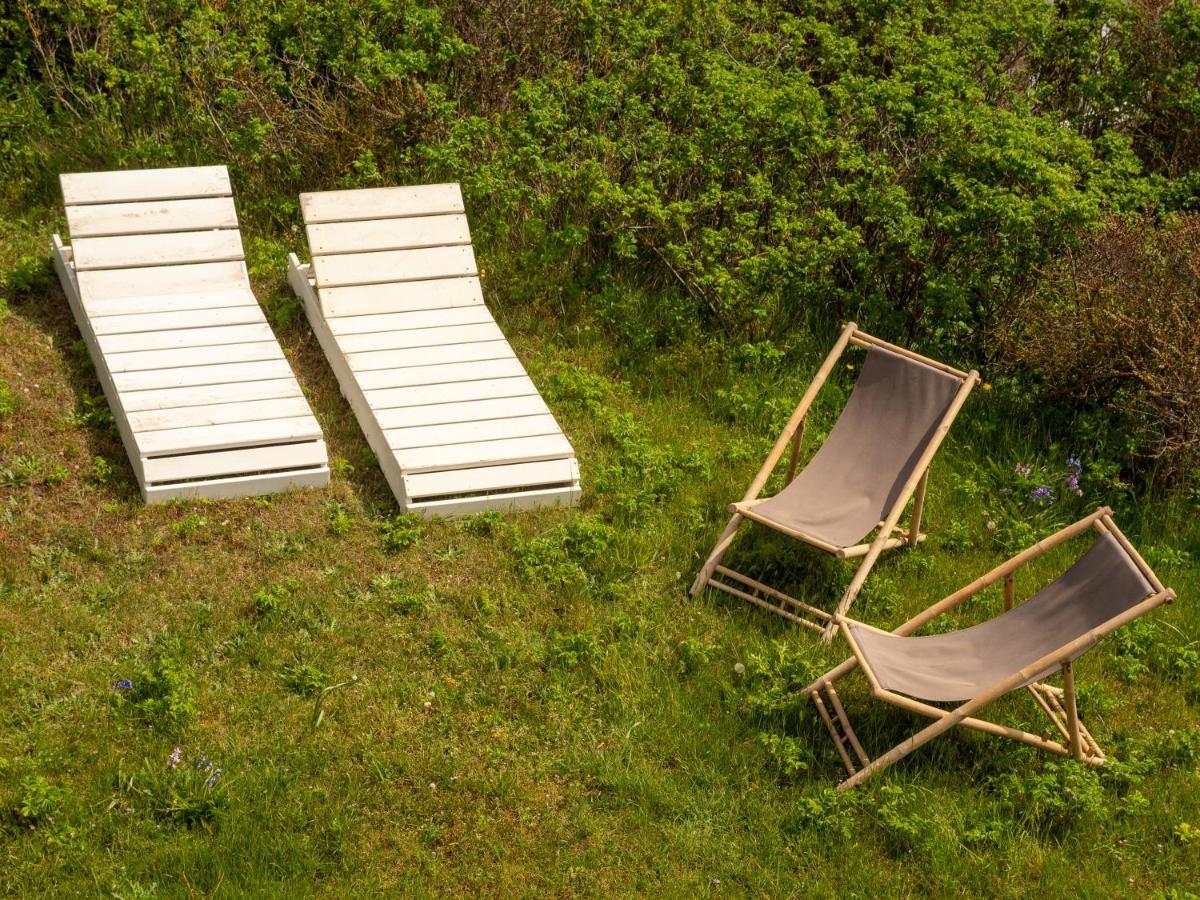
[401, 531]
[40, 800]
[752, 165]
[162, 694]
[1117, 327]
[303, 679]
[1052, 800]
[562, 554]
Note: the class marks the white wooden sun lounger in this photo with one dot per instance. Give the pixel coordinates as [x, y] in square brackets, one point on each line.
[393, 294]
[206, 403]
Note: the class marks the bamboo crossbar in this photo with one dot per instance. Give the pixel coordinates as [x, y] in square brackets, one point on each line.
[862, 339]
[750, 598]
[747, 511]
[770, 591]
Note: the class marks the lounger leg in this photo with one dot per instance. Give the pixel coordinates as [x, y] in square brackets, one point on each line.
[714, 558]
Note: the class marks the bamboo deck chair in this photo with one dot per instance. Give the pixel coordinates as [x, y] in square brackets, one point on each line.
[1107, 587]
[875, 459]
[393, 295]
[201, 393]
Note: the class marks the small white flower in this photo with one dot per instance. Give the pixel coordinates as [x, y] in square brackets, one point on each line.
[739, 668]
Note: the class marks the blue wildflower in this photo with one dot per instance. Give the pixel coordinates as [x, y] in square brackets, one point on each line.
[1042, 494]
[212, 779]
[123, 685]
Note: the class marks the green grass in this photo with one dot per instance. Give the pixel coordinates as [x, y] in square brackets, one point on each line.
[528, 704]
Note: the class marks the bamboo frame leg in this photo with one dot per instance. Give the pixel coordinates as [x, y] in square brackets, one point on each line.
[1072, 710]
[837, 739]
[714, 558]
[836, 701]
[1010, 590]
[914, 522]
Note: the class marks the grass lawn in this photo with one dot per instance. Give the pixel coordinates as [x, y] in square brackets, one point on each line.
[529, 704]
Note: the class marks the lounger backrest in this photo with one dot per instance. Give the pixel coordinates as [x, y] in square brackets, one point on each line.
[389, 250]
[153, 231]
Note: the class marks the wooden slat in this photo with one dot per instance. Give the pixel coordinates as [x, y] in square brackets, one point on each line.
[471, 432]
[393, 265]
[388, 234]
[447, 353]
[491, 478]
[403, 296]
[506, 501]
[194, 280]
[151, 218]
[423, 395]
[422, 337]
[209, 394]
[193, 376]
[409, 376]
[464, 411]
[407, 321]
[180, 338]
[204, 317]
[219, 413]
[135, 250]
[145, 184]
[239, 485]
[380, 203]
[190, 357]
[236, 462]
[232, 434]
[187, 302]
[466, 456]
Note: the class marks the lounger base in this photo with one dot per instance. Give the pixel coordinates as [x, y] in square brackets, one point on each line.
[231, 469]
[446, 492]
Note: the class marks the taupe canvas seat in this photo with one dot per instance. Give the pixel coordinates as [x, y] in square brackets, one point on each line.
[875, 459]
[1109, 585]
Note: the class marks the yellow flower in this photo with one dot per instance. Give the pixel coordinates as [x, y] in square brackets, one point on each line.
[987, 386]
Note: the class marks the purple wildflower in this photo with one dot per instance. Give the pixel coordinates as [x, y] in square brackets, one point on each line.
[201, 761]
[123, 685]
[176, 756]
[1075, 469]
[1042, 494]
[212, 779]
[1023, 469]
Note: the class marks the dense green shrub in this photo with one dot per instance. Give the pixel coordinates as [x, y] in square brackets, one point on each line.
[905, 163]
